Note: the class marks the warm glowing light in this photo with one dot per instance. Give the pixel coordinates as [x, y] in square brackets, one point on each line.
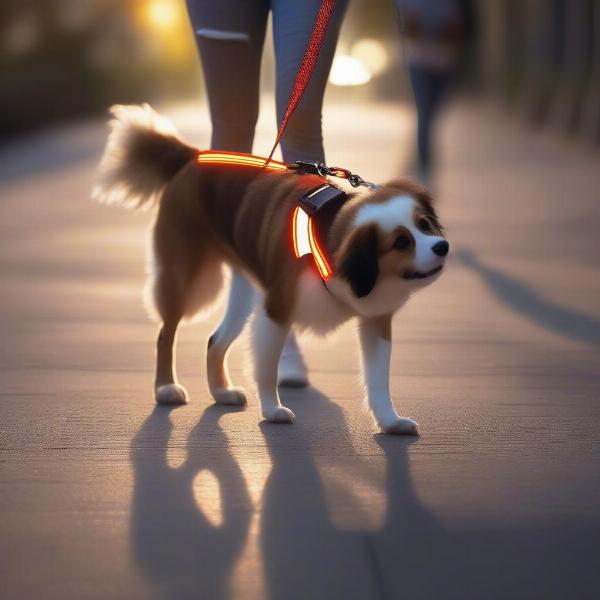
[162, 14]
[207, 493]
[239, 158]
[167, 31]
[372, 54]
[347, 70]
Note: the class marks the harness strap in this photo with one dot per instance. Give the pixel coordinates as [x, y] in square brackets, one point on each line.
[314, 209]
[222, 157]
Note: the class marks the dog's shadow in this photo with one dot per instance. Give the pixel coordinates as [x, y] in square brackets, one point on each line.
[413, 554]
[305, 554]
[174, 542]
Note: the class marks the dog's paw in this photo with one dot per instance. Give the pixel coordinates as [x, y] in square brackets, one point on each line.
[400, 426]
[233, 396]
[171, 394]
[280, 414]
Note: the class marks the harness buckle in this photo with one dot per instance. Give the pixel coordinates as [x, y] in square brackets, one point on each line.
[318, 198]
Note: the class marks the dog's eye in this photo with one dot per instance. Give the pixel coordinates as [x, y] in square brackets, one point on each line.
[425, 225]
[402, 242]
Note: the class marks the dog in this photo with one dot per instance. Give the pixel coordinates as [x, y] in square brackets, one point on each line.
[384, 244]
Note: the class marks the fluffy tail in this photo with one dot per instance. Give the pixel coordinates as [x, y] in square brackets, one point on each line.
[142, 155]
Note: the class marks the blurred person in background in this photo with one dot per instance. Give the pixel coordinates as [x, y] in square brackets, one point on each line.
[230, 36]
[435, 37]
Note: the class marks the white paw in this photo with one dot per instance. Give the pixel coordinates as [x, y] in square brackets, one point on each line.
[233, 396]
[292, 370]
[280, 414]
[400, 426]
[171, 394]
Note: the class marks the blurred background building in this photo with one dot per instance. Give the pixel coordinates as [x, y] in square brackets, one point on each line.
[544, 56]
[66, 58]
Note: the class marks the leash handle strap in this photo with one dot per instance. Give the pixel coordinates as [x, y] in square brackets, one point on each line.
[307, 66]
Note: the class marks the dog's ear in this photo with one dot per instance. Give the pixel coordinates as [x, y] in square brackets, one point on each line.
[359, 260]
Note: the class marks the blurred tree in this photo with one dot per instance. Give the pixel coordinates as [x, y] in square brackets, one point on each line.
[69, 57]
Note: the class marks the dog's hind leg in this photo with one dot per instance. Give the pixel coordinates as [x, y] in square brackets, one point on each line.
[268, 339]
[239, 306]
[166, 388]
[170, 297]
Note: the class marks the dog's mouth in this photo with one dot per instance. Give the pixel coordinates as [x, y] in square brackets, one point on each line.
[420, 274]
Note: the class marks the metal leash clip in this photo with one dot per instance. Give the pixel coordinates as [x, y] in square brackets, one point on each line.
[317, 168]
[303, 167]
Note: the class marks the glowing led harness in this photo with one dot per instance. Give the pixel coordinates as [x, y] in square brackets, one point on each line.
[317, 201]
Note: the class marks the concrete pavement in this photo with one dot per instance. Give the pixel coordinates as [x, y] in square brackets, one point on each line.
[104, 495]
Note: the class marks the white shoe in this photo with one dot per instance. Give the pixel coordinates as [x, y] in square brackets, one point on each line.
[292, 368]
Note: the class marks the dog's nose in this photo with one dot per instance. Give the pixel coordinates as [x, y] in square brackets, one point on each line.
[441, 248]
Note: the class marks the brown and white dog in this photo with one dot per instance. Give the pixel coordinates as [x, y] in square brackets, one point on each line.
[384, 245]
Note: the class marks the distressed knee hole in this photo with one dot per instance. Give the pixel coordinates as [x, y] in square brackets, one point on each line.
[220, 34]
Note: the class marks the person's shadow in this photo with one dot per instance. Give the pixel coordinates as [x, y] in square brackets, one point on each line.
[174, 542]
[524, 300]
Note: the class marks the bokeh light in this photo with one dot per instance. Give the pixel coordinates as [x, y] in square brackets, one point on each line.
[348, 71]
[372, 54]
[162, 14]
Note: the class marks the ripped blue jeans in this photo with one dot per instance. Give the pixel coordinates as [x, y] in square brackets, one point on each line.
[230, 36]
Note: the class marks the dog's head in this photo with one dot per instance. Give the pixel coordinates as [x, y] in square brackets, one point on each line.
[390, 243]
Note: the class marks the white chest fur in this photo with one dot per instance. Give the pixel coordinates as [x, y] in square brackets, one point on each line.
[387, 297]
[316, 308]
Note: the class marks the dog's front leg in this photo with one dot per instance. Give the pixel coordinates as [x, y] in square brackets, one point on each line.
[376, 348]
[268, 339]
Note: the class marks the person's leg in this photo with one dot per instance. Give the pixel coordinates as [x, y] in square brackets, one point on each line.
[230, 36]
[429, 90]
[303, 139]
[422, 94]
[293, 23]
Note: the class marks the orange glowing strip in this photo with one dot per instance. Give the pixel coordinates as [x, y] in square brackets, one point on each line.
[319, 256]
[294, 235]
[239, 158]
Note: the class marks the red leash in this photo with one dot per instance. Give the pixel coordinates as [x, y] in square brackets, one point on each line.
[307, 66]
